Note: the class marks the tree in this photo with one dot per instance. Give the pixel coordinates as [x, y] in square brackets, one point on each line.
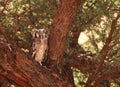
[94, 62]
[22, 71]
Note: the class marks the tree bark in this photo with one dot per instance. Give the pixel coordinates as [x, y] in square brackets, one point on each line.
[59, 30]
[19, 68]
[104, 52]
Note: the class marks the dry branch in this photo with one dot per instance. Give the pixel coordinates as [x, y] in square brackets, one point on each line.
[104, 52]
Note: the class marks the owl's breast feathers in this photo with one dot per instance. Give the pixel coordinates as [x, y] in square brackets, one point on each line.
[39, 45]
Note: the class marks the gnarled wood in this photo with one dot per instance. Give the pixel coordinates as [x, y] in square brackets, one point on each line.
[59, 29]
[19, 68]
[25, 72]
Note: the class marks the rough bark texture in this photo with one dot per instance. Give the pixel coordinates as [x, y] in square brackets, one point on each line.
[16, 67]
[60, 28]
[19, 68]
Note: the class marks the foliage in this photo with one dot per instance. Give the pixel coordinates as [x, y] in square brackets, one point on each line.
[94, 18]
[19, 17]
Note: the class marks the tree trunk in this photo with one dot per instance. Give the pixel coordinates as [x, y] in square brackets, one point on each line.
[59, 30]
[20, 69]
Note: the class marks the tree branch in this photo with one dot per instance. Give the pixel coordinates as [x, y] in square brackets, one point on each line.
[59, 30]
[104, 51]
[107, 76]
[19, 68]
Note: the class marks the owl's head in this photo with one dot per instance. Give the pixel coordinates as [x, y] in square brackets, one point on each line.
[39, 34]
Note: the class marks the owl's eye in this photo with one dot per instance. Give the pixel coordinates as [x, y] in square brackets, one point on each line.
[40, 33]
[39, 45]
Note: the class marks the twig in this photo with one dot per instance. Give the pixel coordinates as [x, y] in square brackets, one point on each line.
[104, 51]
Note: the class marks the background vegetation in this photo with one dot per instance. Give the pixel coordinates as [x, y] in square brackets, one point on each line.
[92, 22]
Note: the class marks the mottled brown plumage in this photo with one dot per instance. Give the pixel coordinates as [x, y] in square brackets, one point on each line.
[39, 45]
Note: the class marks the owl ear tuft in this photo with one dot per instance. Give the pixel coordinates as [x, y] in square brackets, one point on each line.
[36, 33]
[33, 33]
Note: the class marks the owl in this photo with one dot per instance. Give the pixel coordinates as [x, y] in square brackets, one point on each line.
[39, 45]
